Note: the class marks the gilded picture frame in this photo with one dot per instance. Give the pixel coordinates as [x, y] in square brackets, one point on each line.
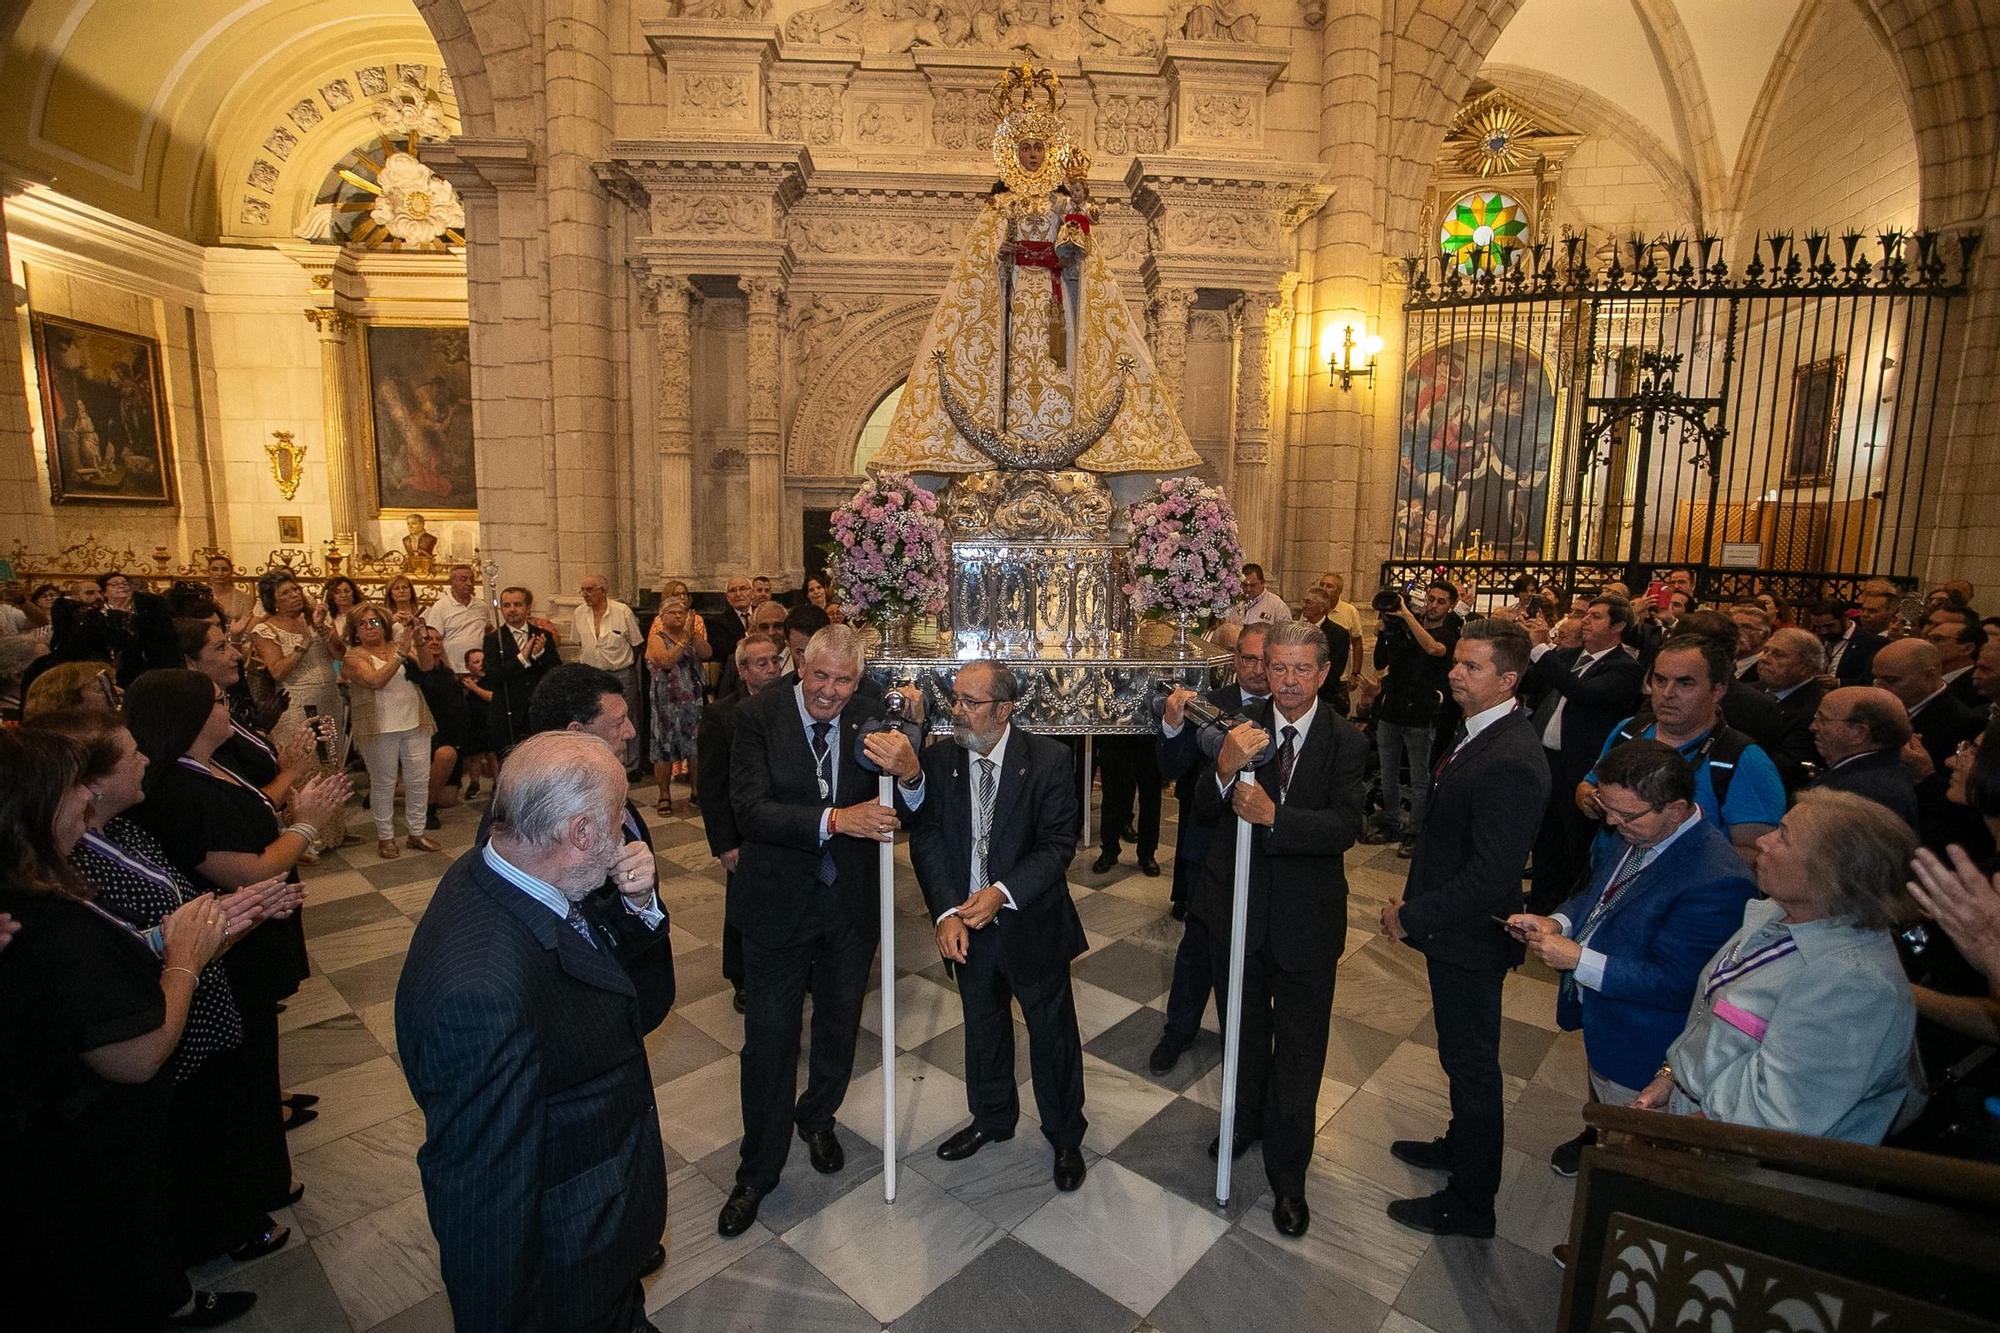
[104, 414]
[418, 419]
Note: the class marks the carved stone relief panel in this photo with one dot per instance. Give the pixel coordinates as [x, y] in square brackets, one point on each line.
[1131, 121]
[691, 214]
[962, 118]
[807, 113]
[884, 123]
[714, 100]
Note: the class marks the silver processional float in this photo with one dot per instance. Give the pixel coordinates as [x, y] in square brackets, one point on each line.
[1036, 509]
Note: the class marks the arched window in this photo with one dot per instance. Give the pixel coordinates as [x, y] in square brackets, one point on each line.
[877, 429]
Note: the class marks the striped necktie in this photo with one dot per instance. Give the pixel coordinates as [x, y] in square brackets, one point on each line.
[982, 833]
[577, 923]
[823, 760]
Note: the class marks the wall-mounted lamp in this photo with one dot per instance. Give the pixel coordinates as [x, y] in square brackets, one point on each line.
[1355, 360]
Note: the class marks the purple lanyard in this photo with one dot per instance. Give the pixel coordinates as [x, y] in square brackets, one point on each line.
[104, 847]
[1736, 971]
[194, 767]
[253, 738]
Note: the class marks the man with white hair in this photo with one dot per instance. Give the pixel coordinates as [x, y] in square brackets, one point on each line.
[520, 1018]
[805, 897]
[609, 638]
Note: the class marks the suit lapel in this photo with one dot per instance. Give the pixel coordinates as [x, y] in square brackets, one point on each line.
[592, 966]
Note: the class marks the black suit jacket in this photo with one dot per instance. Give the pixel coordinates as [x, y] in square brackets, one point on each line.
[1857, 663]
[775, 897]
[1298, 882]
[1940, 726]
[1754, 713]
[725, 631]
[1597, 701]
[1340, 655]
[1033, 839]
[543, 1174]
[712, 742]
[1880, 776]
[1963, 690]
[512, 683]
[1179, 756]
[1481, 824]
[1792, 748]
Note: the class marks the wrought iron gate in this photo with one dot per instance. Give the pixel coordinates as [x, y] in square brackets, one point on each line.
[1585, 415]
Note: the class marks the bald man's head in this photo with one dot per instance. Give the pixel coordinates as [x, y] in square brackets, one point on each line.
[1910, 669]
[1858, 719]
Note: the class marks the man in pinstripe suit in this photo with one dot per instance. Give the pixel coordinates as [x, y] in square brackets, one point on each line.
[521, 1016]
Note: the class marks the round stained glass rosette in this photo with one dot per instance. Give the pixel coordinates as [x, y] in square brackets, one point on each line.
[1483, 231]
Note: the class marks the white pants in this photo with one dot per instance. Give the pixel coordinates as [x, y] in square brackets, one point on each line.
[382, 753]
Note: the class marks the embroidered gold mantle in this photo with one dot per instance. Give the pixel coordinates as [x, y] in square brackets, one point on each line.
[1045, 396]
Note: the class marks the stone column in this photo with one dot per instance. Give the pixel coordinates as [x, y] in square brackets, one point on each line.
[24, 501]
[334, 326]
[761, 435]
[1170, 330]
[1250, 480]
[577, 93]
[673, 423]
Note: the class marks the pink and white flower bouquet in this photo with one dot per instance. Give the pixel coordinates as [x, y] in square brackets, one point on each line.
[1186, 563]
[891, 557]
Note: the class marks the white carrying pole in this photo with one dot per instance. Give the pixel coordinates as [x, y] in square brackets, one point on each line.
[886, 793]
[1232, 1014]
[1088, 838]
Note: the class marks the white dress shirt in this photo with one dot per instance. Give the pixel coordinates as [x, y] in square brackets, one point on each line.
[610, 643]
[914, 798]
[1268, 607]
[1483, 719]
[1552, 735]
[1278, 724]
[549, 896]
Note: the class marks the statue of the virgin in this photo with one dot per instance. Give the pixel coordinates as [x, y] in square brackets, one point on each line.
[1032, 340]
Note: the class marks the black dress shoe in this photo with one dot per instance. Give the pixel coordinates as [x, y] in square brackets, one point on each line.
[1243, 1141]
[1069, 1168]
[967, 1142]
[1104, 862]
[1148, 866]
[268, 1241]
[654, 1261]
[825, 1151]
[1290, 1215]
[1167, 1054]
[1441, 1215]
[1406, 849]
[213, 1308]
[1179, 911]
[1567, 1159]
[299, 1101]
[739, 1212]
[1424, 1154]
[297, 1118]
[737, 1000]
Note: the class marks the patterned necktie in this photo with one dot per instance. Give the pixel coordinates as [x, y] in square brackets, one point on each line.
[823, 761]
[578, 924]
[1287, 756]
[1636, 861]
[982, 842]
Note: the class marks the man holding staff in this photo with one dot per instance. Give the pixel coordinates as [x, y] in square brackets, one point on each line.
[805, 895]
[1304, 812]
[993, 828]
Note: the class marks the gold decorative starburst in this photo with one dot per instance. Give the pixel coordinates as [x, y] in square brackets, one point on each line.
[1495, 144]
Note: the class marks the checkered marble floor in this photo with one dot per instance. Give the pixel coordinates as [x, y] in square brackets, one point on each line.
[984, 1242]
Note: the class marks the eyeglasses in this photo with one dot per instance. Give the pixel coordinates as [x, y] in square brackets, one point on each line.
[1825, 720]
[968, 703]
[1615, 816]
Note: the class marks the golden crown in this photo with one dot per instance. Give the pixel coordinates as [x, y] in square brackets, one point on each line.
[1020, 86]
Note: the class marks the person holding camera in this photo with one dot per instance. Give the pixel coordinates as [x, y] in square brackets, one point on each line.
[1413, 653]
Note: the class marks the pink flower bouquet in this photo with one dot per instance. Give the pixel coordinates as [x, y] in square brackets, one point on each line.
[890, 554]
[1186, 563]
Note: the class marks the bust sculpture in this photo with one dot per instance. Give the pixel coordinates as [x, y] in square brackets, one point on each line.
[419, 547]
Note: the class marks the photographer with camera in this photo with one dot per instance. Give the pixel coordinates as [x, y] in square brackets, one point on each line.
[1413, 653]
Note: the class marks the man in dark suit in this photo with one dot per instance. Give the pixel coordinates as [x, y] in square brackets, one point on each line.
[1304, 812]
[519, 653]
[1578, 695]
[757, 662]
[1850, 649]
[1182, 760]
[1465, 873]
[993, 828]
[521, 1015]
[805, 896]
[1861, 731]
[1958, 637]
[1789, 672]
[1632, 942]
[768, 620]
[726, 627]
[1912, 670]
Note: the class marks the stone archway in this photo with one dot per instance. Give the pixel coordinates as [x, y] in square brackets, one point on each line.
[869, 358]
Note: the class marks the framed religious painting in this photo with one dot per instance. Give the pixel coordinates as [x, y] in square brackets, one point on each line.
[419, 419]
[104, 414]
[1814, 423]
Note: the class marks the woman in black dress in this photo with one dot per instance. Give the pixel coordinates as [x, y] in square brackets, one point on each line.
[221, 1120]
[249, 752]
[89, 1015]
[221, 831]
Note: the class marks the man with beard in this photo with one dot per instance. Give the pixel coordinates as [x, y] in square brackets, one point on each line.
[993, 821]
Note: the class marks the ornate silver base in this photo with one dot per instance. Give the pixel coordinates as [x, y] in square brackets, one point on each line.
[1100, 696]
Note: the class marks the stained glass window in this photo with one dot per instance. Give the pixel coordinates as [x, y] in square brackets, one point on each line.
[1484, 230]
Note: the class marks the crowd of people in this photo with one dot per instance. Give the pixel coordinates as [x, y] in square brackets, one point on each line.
[1754, 845]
